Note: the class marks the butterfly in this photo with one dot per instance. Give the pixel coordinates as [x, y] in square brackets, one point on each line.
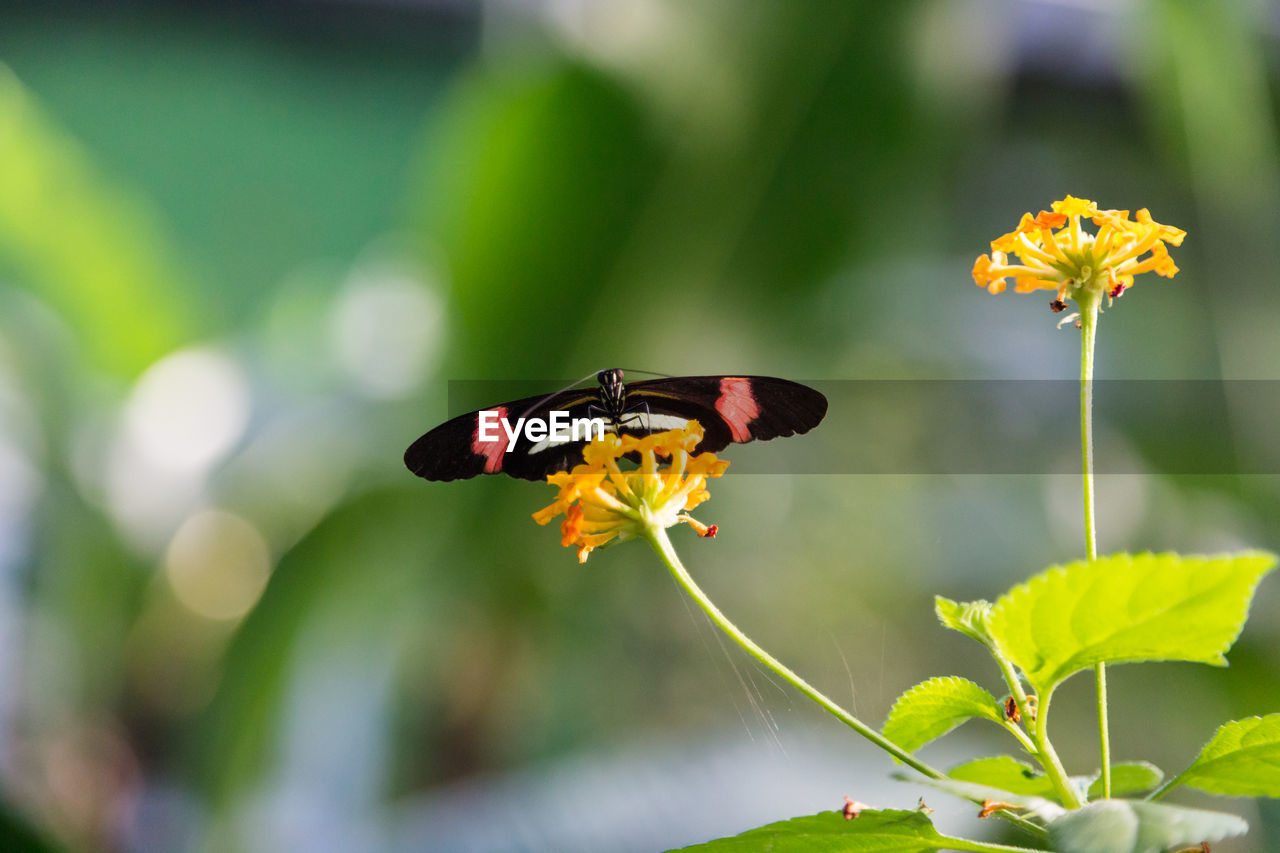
[504, 439]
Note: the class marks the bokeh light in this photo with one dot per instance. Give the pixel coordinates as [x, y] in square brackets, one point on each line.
[187, 410]
[218, 564]
[387, 329]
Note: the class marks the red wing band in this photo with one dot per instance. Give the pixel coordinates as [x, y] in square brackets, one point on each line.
[737, 405]
[491, 450]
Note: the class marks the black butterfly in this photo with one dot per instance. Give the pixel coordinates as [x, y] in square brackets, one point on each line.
[730, 409]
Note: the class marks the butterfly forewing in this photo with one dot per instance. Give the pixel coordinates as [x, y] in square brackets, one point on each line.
[454, 450]
[733, 408]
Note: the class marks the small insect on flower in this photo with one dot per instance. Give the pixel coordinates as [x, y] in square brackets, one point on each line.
[1055, 253]
[602, 503]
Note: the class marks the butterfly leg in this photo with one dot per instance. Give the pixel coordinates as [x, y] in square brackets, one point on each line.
[633, 414]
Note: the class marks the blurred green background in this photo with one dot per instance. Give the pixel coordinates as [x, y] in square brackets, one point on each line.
[244, 248]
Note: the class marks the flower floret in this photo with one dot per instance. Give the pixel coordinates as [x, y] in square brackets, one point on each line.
[1054, 253]
[1076, 207]
[602, 502]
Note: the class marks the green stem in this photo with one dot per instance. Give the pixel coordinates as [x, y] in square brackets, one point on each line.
[1168, 786]
[1088, 335]
[657, 537]
[1089, 302]
[1028, 745]
[1043, 748]
[1049, 756]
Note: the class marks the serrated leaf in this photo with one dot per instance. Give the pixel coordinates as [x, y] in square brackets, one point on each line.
[1126, 608]
[1241, 759]
[1129, 777]
[967, 617]
[1135, 826]
[874, 831]
[1006, 774]
[934, 707]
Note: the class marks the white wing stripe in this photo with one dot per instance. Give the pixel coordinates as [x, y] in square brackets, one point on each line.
[655, 423]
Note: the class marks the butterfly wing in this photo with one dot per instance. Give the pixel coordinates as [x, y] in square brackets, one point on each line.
[730, 408]
[455, 450]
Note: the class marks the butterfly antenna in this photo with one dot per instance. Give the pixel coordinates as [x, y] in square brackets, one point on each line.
[568, 387]
[648, 373]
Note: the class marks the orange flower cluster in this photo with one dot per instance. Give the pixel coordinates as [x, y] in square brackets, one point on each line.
[601, 502]
[1055, 253]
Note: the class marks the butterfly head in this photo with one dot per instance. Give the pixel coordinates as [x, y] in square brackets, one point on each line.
[611, 378]
[613, 391]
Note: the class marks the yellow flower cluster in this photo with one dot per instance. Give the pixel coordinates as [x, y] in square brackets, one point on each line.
[601, 502]
[1055, 253]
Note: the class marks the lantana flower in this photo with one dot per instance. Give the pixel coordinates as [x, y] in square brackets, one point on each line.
[1055, 253]
[602, 502]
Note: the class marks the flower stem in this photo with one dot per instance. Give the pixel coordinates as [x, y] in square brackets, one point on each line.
[1088, 335]
[657, 537]
[1049, 756]
[1089, 305]
[1020, 735]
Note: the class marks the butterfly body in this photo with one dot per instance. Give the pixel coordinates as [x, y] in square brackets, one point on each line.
[730, 409]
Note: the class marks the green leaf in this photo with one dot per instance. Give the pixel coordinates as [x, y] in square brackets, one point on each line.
[1129, 777]
[967, 617]
[1134, 826]
[1242, 759]
[934, 707]
[1126, 608]
[887, 831]
[1030, 805]
[89, 247]
[566, 141]
[1007, 774]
